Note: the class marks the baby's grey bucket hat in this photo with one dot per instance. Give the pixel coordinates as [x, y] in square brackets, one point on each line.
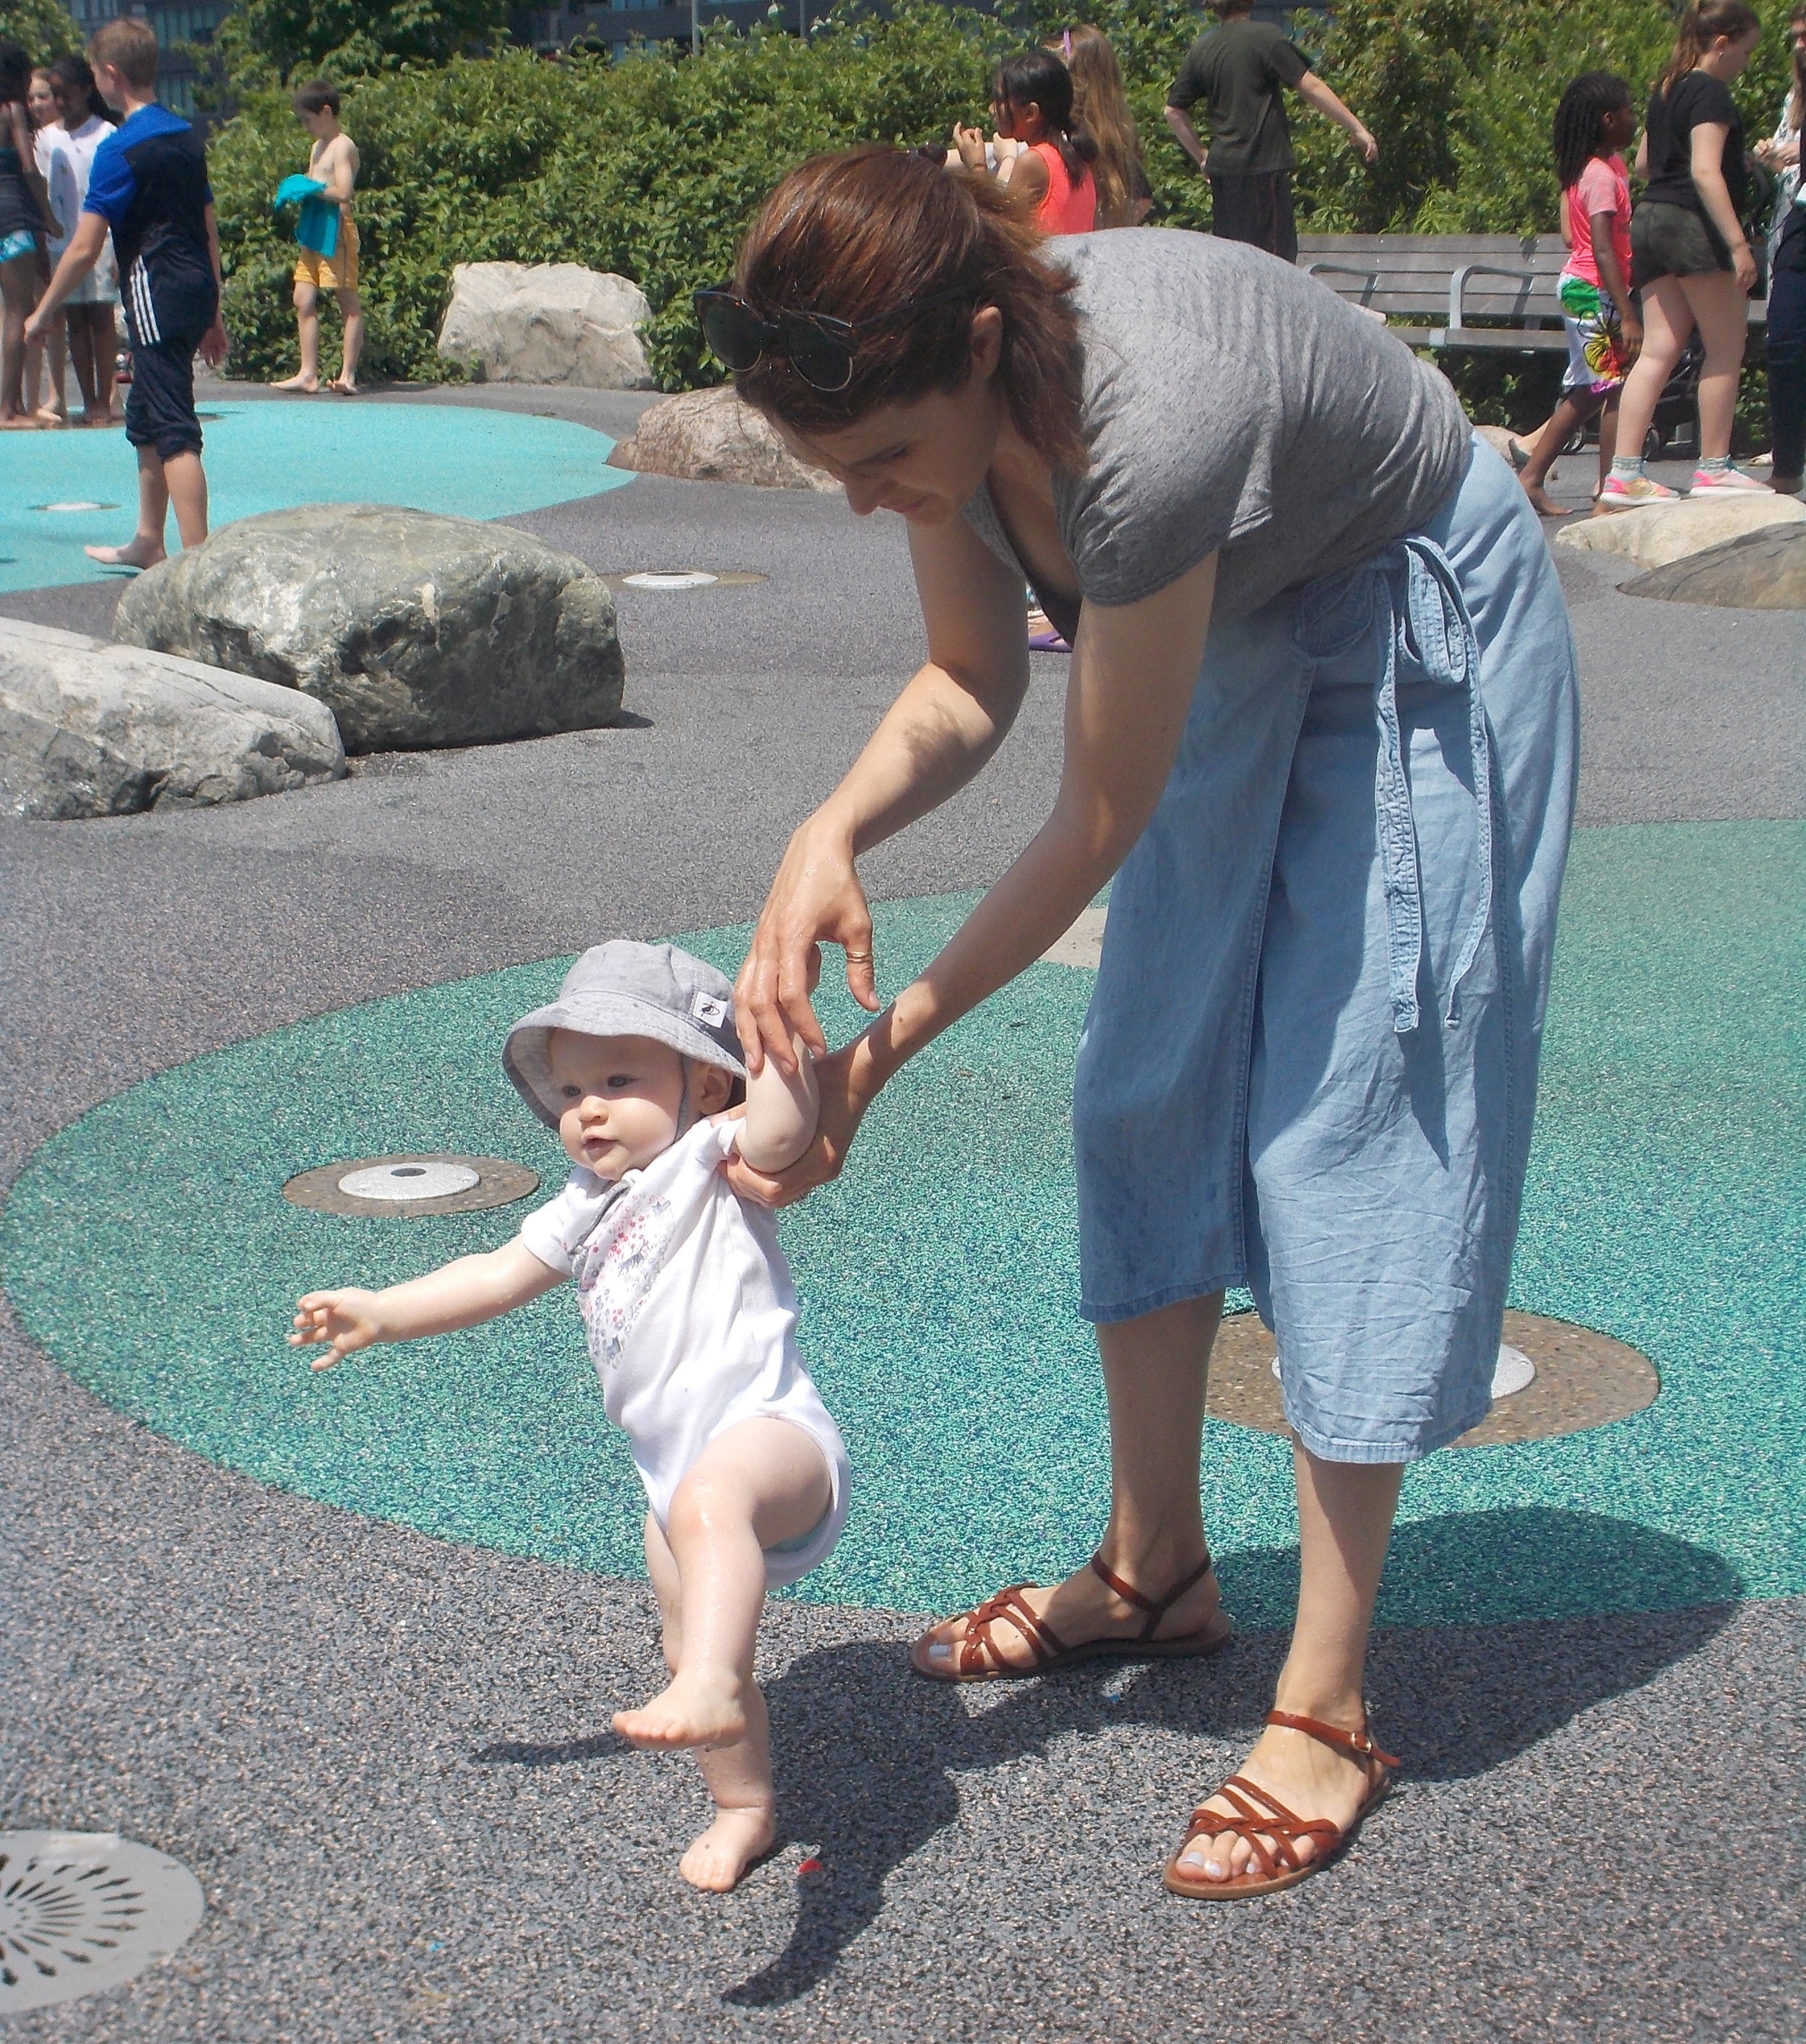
[627, 989]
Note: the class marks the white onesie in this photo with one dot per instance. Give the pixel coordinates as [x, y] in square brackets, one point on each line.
[691, 1317]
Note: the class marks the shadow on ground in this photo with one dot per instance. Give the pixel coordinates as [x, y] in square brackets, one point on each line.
[866, 1756]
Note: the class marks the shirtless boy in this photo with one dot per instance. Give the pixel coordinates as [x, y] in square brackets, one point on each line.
[334, 164]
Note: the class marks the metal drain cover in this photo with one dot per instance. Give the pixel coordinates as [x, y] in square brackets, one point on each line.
[676, 580]
[82, 1910]
[77, 504]
[412, 1183]
[1576, 1378]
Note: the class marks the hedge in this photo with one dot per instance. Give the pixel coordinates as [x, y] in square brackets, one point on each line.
[652, 166]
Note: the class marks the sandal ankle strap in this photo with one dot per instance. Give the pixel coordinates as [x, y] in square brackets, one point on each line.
[1356, 1744]
[1155, 1609]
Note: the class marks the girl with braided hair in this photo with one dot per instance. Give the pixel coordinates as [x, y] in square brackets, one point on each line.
[1594, 122]
[1044, 152]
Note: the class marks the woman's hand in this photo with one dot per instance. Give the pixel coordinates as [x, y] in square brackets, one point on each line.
[816, 896]
[846, 1088]
[1744, 264]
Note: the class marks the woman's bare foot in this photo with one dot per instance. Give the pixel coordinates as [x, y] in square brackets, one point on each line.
[309, 385]
[1083, 1608]
[722, 1855]
[1312, 1780]
[1545, 505]
[17, 422]
[702, 1706]
[47, 416]
[139, 554]
[342, 388]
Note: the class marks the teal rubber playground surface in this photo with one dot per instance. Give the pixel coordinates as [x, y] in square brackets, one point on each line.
[148, 1248]
[270, 454]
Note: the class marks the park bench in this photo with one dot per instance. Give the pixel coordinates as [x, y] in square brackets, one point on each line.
[1493, 293]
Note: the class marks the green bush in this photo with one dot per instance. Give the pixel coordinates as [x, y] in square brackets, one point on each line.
[42, 28]
[653, 166]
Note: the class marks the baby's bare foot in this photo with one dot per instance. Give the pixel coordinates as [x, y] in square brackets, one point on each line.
[704, 1707]
[717, 1859]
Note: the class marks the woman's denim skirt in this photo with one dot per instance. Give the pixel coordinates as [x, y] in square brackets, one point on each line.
[1310, 1063]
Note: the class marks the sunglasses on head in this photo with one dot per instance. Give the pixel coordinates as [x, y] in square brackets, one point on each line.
[819, 349]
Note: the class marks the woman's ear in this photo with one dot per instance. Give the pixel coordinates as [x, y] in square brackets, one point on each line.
[987, 341]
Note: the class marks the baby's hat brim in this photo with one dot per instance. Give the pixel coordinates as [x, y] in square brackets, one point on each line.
[624, 989]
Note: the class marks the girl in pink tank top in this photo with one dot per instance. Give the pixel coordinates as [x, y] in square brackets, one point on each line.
[1031, 106]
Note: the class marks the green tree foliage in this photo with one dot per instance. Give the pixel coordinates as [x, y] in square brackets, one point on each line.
[262, 42]
[653, 166]
[42, 28]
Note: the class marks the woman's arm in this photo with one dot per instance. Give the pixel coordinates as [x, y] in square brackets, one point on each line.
[1708, 168]
[1134, 669]
[944, 726]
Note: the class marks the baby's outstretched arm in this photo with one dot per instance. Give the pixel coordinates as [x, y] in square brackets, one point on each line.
[781, 1111]
[459, 1295]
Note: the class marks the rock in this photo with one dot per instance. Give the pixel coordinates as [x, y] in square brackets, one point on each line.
[414, 629]
[547, 323]
[1761, 570]
[1652, 535]
[87, 729]
[710, 437]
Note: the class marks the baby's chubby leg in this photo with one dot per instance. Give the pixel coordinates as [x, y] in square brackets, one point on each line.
[761, 1482]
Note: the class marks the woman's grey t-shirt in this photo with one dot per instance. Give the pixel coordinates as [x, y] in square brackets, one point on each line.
[1235, 406]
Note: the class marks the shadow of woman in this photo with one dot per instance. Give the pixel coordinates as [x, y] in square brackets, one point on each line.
[867, 1753]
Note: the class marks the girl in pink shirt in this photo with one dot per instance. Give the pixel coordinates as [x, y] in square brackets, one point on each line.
[1594, 123]
[1043, 150]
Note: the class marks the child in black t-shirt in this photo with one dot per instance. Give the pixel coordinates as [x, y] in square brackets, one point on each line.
[148, 187]
[1690, 256]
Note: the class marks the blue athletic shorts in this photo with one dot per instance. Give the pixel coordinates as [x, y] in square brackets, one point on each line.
[1310, 1063]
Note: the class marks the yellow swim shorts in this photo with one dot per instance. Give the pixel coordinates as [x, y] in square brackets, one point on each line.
[338, 272]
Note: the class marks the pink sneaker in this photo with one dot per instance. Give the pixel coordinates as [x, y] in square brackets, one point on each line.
[1626, 492]
[1716, 481]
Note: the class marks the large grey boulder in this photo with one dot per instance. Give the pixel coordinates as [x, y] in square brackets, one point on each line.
[1762, 570]
[547, 323]
[710, 437]
[1652, 535]
[414, 629]
[87, 729]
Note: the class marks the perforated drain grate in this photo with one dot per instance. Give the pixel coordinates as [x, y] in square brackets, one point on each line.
[411, 1185]
[1552, 1378]
[82, 1910]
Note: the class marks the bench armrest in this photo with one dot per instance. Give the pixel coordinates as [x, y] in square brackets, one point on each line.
[1457, 283]
[1369, 277]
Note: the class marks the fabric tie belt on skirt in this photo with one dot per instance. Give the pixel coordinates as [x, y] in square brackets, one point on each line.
[1411, 591]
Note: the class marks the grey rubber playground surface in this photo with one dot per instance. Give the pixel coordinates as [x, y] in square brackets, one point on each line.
[386, 1755]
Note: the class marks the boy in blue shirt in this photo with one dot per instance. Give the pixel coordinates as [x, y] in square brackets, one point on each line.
[148, 187]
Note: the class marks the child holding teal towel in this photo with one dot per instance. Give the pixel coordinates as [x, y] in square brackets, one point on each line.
[328, 236]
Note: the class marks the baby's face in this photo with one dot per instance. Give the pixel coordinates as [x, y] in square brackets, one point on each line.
[621, 1098]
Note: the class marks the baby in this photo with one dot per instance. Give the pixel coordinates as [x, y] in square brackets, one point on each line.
[691, 1320]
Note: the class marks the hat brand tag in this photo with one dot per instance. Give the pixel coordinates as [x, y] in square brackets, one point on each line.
[709, 1009]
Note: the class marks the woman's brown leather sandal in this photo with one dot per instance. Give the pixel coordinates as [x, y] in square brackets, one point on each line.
[979, 1660]
[1259, 1816]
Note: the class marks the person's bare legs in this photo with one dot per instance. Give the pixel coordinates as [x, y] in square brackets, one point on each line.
[1345, 1516]
[759, 1483]
[18, 290]
[350, 310]
[1577, 407]
[1155, 1368]
[1668, 325]
[91, 344]
[307, 321]
[1721, 312]
[179, 482]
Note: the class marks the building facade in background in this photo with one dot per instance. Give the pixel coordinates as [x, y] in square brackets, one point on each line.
[179, 29]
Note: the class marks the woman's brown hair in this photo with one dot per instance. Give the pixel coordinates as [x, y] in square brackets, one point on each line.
[1100, 101]
[1701, 26]
[870, 237]
[1799, 107]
